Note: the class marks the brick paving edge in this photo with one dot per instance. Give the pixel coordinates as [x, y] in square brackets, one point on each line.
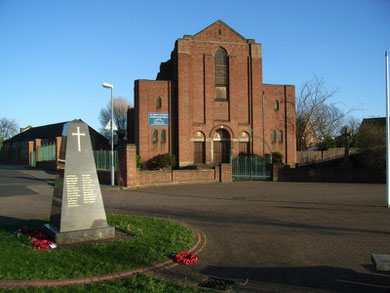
[200, 243]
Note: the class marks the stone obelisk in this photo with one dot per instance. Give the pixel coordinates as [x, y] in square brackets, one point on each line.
[77, 212]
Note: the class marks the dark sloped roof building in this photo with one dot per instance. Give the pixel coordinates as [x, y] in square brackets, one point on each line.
[48, 133]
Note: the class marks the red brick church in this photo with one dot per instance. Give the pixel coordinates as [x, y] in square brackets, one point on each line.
[209, 103]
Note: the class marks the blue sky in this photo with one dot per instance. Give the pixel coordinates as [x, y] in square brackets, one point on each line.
[54, 55]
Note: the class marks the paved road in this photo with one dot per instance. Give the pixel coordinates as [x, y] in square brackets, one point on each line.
[24, 193]
[274, 237]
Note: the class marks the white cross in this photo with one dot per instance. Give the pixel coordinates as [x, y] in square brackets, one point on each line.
[78, 137]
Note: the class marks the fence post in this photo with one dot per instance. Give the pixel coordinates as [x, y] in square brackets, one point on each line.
[37, 146]
[128, 174]
[276, 171]
[225, 172]
[58, 148]
[30, 150]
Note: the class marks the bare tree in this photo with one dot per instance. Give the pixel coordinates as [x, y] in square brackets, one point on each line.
[327, 120]
[353, 124]
[8, 128]
[314, 115]
[120, 108]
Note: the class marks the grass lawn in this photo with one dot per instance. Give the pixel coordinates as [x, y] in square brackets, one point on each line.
[155, 240]
[137, 283]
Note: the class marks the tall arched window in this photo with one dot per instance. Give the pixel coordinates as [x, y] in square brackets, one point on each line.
[158, 103]
[155, 136]
[280, 136]
[163, 136]
[273, 136]
[221, 74]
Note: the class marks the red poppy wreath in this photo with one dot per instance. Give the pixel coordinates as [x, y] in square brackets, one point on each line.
[185, 258]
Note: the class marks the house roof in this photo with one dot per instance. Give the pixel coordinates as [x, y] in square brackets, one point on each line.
[42, 132]
[379, 121]
[45, 132]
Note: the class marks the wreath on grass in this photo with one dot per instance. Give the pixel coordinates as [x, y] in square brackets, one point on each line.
[185, 258]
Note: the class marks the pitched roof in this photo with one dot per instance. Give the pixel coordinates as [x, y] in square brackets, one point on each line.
[213, 31]
[379, 121]
[46, 132]
[42, 132]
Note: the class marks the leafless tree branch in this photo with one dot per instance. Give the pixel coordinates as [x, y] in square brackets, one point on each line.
[121, 106]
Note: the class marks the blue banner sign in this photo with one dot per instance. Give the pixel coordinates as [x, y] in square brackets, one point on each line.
[158, 119]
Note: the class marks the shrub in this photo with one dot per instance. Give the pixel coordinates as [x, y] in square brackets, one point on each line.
[140, 165]
[277, 157]
[268, 158]
[326, 143]
[161, 161]
[371, 141]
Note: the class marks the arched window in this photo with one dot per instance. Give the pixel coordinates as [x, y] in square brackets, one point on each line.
[221, 74]
[276, 105]
[158, 103]
[163, 135]
[154, 136]
[280, 136]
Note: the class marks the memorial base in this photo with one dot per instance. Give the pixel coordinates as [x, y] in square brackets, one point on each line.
[79, 236]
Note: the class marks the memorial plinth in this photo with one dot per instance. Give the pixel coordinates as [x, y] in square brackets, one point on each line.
[77, 212]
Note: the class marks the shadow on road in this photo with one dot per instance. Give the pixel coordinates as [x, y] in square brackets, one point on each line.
[251, 220]
[322, 278]
[6, 220]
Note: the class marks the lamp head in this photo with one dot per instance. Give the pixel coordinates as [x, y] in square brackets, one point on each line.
[107, 85]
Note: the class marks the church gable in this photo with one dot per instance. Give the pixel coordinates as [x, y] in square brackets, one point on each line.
[219, 32]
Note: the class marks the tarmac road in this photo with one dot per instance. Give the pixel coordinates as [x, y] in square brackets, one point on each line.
[25, 193]
[264, 236]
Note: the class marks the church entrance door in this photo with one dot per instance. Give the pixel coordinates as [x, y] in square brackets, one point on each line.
[221, 147]
[199, 152]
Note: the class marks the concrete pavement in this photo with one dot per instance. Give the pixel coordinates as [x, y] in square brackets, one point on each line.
[266, 236]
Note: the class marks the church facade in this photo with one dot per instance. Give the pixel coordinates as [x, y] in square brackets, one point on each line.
[209, 103]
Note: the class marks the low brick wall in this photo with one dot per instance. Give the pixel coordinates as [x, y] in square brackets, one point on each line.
[329, 174]
[176, 176]
[154, 177]
[194, 175]
[130, 176]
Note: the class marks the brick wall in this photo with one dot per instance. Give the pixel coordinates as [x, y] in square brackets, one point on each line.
[146, 95]
[129, 176]
[225, 172]
[155, 177]
[180, 176]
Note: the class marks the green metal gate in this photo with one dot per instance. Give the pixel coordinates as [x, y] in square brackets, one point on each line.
[250, 168]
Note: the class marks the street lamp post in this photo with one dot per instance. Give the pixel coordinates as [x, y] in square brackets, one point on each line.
[107, 85]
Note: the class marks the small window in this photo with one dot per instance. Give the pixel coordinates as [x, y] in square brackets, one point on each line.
[280, 136]
[163, 136]
[158, 103]
[277, 106]
[155, 136]
[273, 136]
